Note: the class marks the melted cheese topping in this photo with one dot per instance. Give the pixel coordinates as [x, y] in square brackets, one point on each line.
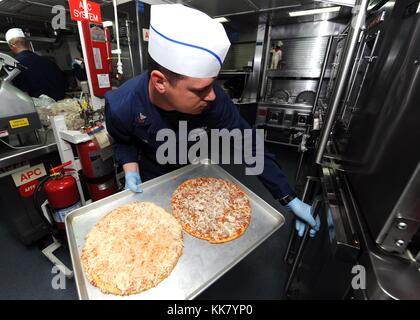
[132, 248]
[211, 208]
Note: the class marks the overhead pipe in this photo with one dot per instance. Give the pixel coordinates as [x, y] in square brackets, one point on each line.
[35, 3]
[353, 37]
[127, 25]
[257, 11]
[314, 106]
[252, 4]
[139, 37]
[353, 75]
[117, 34]
[323, 71]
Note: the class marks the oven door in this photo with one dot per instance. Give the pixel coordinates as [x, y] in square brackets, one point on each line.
[343, 261]
[324, 264]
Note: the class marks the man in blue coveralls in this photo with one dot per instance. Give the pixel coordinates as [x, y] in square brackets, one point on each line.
[186, 52]
[39, 75]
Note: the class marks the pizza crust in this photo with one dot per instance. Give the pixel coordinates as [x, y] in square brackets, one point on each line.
[132, 249]
[211, 209]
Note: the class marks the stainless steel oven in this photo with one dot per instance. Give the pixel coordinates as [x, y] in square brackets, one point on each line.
[369, 169]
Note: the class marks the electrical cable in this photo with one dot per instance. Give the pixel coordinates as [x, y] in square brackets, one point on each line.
[30, 146]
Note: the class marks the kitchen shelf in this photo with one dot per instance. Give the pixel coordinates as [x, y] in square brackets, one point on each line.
[233, 73]
[279, 126]
[297, 74]
[286, 105]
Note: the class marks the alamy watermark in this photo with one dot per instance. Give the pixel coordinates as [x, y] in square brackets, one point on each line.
[59, 20]
[58, 281]
[359, 280]
[247, 146]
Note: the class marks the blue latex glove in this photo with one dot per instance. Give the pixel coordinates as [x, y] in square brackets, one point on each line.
[132, 181]
[304, 216]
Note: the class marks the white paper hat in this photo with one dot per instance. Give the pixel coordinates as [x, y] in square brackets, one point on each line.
[14, 33]
[187, 41]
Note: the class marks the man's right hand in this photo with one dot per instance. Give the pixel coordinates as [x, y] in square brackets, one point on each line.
[132, 177]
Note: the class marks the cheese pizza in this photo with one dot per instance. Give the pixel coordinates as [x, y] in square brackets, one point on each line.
[132, 249]
[211, 209]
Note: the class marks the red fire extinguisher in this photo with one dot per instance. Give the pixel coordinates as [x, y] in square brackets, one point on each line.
[98, 173]
[62, 193]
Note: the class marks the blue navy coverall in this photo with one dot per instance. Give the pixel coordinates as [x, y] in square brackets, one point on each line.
[133, 121]
[41, 76]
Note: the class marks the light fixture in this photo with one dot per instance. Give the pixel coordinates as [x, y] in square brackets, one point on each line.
[346, 3]
[107, 23]
[221, 19]
[314, 11]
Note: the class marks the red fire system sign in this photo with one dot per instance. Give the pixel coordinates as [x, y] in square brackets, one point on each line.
[78, 12]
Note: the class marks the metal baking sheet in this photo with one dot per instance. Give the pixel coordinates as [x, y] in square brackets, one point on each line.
[201, 263]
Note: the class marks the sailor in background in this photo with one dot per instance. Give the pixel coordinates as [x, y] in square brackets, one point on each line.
[38, 75]
[277, 55]
[186, 52]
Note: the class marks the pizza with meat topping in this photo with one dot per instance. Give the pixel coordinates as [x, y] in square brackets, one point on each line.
[211, 209]
[132, 249]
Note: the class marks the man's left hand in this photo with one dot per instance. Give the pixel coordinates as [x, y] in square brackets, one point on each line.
[304, 216]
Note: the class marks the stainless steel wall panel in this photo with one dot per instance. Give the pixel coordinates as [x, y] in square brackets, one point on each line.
[309, 29]
[303, 57]
[238, 56]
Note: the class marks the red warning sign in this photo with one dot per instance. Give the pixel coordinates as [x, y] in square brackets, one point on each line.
[28, 175]
[28, 189]
[146, 34]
